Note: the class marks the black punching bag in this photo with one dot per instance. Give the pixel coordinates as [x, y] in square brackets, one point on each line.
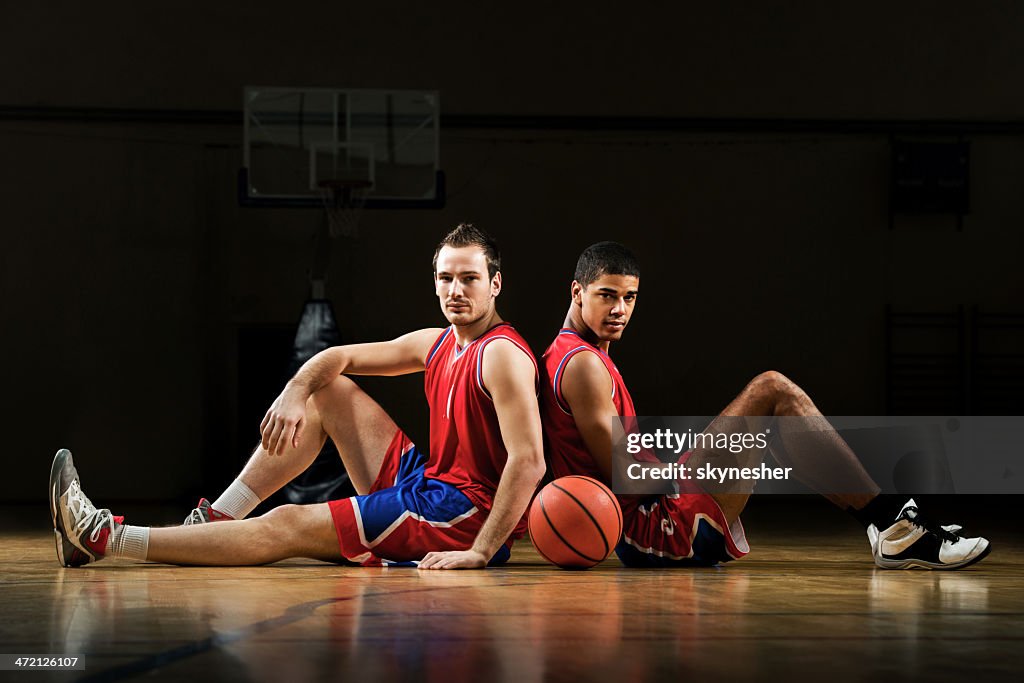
[325, 479]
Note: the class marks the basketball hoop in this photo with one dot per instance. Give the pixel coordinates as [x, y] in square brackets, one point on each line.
[343, 200]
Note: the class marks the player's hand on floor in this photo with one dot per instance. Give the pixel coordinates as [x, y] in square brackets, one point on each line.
[454, 559]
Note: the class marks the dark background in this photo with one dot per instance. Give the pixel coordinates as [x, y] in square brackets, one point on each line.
[742, 149]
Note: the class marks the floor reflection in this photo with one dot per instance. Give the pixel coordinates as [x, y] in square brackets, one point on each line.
[310, 621]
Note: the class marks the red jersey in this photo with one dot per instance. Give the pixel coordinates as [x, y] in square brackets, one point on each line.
[466, 448]
[567, 454]
[658, 530]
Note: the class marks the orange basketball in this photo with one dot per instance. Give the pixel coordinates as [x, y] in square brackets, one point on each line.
[575, 522]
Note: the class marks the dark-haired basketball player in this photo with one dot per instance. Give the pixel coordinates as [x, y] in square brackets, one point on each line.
[583, 392]
[459, 507]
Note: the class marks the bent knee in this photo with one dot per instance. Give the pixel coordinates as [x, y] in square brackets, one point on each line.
[341, 388]
[773, 380]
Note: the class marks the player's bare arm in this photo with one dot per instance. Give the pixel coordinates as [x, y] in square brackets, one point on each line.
[509, 377]
[587, 390]
[283, 422]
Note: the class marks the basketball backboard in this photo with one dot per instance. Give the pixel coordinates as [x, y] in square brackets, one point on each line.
[297, 140]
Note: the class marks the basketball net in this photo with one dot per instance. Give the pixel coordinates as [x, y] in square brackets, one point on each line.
[343, 201]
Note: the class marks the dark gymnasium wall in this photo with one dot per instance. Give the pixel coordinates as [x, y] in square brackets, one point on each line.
[130, 274]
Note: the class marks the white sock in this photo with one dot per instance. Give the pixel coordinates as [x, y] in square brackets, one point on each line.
[238, 500]
[131, 542]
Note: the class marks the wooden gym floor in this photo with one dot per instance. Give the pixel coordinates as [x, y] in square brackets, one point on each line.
[806, 604]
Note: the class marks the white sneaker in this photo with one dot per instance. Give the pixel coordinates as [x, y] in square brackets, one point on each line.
[80, 530]
[911, 542]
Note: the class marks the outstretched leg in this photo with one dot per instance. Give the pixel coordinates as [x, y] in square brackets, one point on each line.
[85, 534]
[404, 523]
[284, 532]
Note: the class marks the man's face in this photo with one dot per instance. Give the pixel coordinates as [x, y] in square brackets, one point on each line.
[607, 304]
[463, 288]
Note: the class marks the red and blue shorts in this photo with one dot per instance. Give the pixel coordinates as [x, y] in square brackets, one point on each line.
[406, 515]
[679, 530]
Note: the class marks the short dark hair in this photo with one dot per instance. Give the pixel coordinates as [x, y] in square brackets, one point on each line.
[605, 258]
[468, 235]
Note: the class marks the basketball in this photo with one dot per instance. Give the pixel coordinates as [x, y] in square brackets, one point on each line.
[575, 522]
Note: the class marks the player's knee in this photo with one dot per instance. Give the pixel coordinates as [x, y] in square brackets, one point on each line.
[340, 389]
[301, 531]
[283, 525]
[774, 382]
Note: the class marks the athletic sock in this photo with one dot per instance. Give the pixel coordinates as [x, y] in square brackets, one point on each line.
[880, 511]
[130, 542]
[237, 501]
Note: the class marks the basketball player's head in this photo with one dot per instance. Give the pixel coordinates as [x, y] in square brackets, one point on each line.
[467, 274]
[604, 289]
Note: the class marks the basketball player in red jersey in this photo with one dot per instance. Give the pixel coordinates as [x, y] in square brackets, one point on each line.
[459, 507]
[583, 392]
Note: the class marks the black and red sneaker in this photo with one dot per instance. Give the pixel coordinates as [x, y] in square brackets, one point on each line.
[205, 513]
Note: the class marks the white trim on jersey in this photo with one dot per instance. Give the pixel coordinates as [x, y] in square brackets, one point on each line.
[740, 542]
[480, 364]
[437, 345]
[556, 381]
[407, 514]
